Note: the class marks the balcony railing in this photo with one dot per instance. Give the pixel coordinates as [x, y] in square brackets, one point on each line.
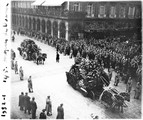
[49, 12]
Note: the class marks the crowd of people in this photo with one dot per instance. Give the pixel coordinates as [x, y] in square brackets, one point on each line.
[118, 53]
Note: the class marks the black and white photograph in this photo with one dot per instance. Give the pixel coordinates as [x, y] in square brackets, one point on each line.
[75, 59]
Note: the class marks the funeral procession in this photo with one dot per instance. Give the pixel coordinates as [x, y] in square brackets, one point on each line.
[76, 59]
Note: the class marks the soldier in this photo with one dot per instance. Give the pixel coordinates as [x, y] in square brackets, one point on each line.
[137, 91]
[117, 79]
[42, 115]
[21, 74]
[27, 103]
[16, 67]
[60, 111]
[12, 64]
[48, 106]
[30, 86]
[57, 57]
[33, 108]
[129, 85]
[21, 101]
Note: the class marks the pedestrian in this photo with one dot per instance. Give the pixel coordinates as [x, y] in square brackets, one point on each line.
[117, 79]
[30, 86]
[60, 111]
[57, 57]
[42, 115]
[21, 74]
[33, 108]
[16, 67]
[110, 73]
[27, 103]
[12, 64]
[137, 91]
[21, 101]
[129, 85]
[48, 106]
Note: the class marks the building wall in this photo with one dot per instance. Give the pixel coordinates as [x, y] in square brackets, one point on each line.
[23, 11]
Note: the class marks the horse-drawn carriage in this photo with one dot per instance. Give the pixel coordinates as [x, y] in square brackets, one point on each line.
[30, 51]
[88, 78]
[91, 80]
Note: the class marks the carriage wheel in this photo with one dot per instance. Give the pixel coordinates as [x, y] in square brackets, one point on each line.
[24, 55]
[91, 95]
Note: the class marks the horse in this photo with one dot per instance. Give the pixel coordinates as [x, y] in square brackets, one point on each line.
[41, 58]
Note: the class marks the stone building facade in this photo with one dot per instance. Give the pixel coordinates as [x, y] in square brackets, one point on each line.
[73, 20]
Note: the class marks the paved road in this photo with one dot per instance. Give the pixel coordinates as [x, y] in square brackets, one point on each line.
[50, 79]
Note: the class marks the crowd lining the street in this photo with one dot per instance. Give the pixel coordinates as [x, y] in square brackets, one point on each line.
[117, 53]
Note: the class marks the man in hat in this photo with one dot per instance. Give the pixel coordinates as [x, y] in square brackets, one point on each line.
[60, 111]
[27, 103]
[21, 101]
[42, 114]
[33, 108]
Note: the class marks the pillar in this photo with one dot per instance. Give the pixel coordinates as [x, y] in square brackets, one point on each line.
[58, 28]
[67, 31]
[52, 28]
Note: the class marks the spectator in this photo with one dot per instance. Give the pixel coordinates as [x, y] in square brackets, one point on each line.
[16, 67]
[21, 101]
[57, 57]
[48, 106]
[30, 86]
[27, 103]
[137, 91]
[42, 115]
[129, 85]
[33, 108]
[21, 74]
[60, 111]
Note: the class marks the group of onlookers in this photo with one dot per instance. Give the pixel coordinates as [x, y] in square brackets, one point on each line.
[30, 106]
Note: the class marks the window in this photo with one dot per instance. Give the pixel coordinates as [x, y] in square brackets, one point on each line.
[76, 7]
[90, 10]
[113, 12]
[102, 12]
[122, 12]
[131, 11]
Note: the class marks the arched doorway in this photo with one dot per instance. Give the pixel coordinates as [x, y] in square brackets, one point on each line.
[43, 26]
[49, 27]
[55, 29]
[34, 24]
[20, 21]
[62, 30]
[38, 25]
[23, 21]
[27, 22]
[30, 22]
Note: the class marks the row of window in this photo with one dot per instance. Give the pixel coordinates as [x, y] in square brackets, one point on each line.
[102, 11]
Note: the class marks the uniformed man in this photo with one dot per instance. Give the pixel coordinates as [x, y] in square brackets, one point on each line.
[30, 86]
[16, 67]
[21, 101]
[33, 108]
[60, 111]
[27, 103]
[129, 85]
[21, 74]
